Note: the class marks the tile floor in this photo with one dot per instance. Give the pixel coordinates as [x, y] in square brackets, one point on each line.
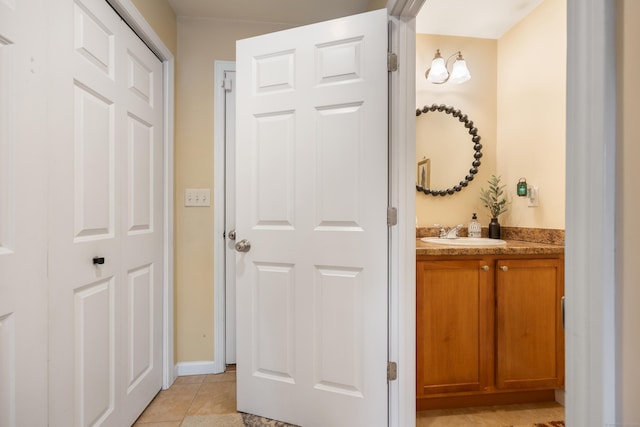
[216, 394]
[191, 395]
[492, 416]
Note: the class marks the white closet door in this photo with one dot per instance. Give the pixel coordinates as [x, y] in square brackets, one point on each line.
[23, 214]
[105, 218]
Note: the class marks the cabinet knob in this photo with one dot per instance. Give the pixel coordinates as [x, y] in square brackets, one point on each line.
[485, 267]
[504, 268]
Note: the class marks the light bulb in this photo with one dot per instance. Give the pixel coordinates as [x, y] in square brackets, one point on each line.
[460, 72]
[438, 72]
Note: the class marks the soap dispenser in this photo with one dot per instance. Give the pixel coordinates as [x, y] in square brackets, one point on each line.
[475, 229]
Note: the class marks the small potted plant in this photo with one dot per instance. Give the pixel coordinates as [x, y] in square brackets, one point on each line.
[497, 203]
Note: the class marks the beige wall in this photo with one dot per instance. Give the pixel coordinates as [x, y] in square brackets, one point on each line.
[162, 19]
[516, 98]
[200, 43]
[376, 4]
[628, 207]
[532, 114]
[477, 99]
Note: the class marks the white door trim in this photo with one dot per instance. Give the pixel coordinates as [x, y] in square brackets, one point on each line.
[141, 27]
[402, 270]
[219, 213]
[592, 330]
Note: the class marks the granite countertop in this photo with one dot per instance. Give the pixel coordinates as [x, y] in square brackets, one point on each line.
[513, 247]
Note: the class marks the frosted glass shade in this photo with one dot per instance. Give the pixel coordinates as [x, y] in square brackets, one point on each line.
[438, 72]
[460, 72]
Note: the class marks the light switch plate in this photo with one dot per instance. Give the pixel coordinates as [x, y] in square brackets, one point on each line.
[197, 197]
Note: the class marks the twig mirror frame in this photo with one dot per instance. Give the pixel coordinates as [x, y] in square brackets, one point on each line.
[477, 147]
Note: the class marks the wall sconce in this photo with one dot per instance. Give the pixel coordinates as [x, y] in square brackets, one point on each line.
[438, 72]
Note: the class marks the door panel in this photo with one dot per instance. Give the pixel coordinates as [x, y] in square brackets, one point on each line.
[93, 39]
[140, 170]
[95, 351]
[274, 322]
[94, 156]
[339, 332]
[274, 146]
[339, 168]
[311, 156]
[140, 314]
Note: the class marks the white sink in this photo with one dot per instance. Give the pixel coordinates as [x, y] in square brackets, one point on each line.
[465, 241]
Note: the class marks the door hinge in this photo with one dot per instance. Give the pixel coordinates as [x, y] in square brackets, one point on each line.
[226, 84]
[392, 371]
[392, 61]
[392, 216]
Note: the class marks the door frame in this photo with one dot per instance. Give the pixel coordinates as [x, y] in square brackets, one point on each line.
[589, 96]
[141, 27]
[219, 206]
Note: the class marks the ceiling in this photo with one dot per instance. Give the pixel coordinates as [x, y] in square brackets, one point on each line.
[488, 19]
[468, 18]
[298, 12]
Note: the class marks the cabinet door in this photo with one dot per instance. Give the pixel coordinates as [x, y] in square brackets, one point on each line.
[454, 338]
[530, 341]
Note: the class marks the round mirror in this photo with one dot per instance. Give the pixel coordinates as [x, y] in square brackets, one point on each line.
[443, 137]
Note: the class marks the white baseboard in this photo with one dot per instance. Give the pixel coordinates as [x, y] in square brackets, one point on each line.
[199, 368]
[560, 395]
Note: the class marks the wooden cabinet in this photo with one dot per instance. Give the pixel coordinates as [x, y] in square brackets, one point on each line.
[488, 330]
[529, 336]
[453, 331]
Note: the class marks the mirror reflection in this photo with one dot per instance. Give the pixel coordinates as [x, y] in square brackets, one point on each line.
[448, 150]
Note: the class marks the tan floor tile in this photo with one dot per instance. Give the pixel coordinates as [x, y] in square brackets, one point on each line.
[215, 398]
[160, 424]
[455, 420]
[491, 416]
[190, 379]
[171, 404]
[225, 376]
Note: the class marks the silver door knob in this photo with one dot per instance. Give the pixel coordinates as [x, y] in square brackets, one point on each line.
[504, 268]
[243, 246]
[232, 235]
[485, 268]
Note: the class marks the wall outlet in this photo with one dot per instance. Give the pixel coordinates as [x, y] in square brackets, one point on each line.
[197, 197]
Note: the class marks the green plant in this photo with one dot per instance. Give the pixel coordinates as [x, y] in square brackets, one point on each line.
[493, 198]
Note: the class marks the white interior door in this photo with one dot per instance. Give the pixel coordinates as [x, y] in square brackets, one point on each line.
[23, 215]
[311, 183]
[106, 218]
[230, 215]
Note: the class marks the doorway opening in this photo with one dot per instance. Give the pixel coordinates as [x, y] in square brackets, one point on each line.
[498, 65]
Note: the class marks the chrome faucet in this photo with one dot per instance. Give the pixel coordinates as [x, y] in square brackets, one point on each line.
[451, 233]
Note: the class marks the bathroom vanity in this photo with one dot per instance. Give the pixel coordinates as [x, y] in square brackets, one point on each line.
[489, 324]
